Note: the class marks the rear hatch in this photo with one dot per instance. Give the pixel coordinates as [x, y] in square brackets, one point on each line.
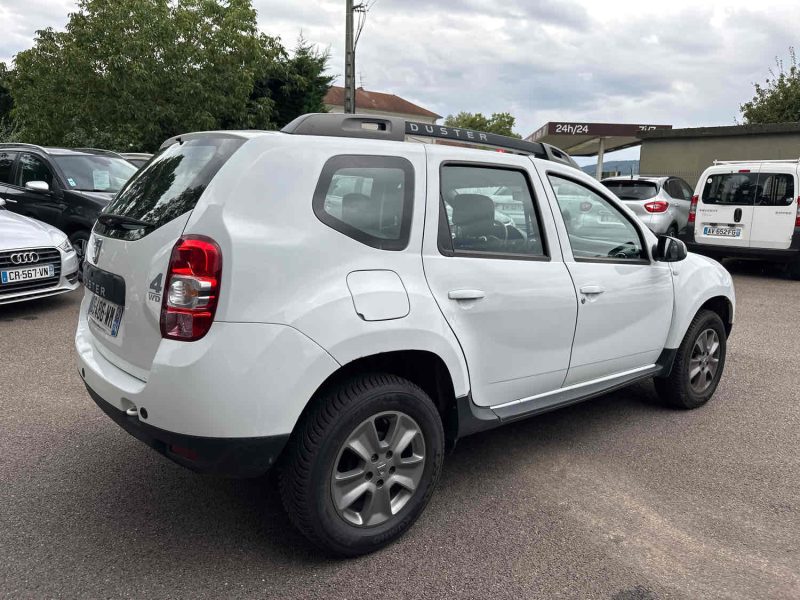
[130, 247]
[635, 193]
[725, 206]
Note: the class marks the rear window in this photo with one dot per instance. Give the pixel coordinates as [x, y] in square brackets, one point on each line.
[171, 184]
[749, 189]
[633, 189]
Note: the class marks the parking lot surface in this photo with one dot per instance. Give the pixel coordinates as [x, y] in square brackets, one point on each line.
[615, 498]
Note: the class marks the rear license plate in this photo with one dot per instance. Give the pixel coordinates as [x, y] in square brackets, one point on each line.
[26, 274]
[106, 315]
[733, 232]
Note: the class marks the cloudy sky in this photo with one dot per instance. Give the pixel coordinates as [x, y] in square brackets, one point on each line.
[678, 62]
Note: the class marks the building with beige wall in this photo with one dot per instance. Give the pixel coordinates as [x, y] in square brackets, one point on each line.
[687, 152]
[379, 103]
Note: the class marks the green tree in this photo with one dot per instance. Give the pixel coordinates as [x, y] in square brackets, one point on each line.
[295, 84]
[6, 104]
[127, 74]
[500, 123]
[778, 100]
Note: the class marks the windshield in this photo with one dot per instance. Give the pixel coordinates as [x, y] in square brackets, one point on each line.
[632, 189]
[171, 183]
[95, 173]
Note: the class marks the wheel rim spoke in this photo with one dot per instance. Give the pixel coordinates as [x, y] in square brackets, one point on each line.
[704, 361]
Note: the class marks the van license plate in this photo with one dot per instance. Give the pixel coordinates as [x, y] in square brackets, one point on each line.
[106, 315]
[26, 274]
[733, 232]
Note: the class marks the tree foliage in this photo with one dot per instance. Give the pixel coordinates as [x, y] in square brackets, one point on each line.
[127, 74]
[500, 123]
[778, 100]
[6, 104]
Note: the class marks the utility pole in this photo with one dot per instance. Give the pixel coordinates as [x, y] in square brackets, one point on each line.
[349, 62]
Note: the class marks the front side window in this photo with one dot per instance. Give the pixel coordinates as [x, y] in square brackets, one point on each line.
[597, 229]
[367, 198]
[489, 211]
[32, 168]
[6, 165]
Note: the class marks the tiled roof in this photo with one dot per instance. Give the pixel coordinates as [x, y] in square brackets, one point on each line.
[378, 101]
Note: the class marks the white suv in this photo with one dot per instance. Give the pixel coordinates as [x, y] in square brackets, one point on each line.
[346, 304]
[748, 210]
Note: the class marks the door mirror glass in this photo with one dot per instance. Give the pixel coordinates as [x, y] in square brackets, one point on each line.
[38, 186]
[669, 249]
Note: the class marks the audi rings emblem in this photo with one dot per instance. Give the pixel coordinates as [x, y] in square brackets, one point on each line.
[23, 258]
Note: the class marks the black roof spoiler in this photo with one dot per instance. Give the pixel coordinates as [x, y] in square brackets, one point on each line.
[379, 127]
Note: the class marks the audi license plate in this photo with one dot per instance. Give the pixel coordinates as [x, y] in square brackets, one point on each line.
[26, 274]
[106, 315]
[733, 232]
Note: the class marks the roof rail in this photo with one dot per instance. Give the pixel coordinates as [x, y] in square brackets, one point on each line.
[756, 160]
[380, 127]
[97, 150]
[12, 144]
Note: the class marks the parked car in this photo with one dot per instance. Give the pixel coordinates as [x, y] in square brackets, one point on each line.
[661, 203]
[748, 210]
[137, 158]
[64, 188]
[36, 259]
[242, 310]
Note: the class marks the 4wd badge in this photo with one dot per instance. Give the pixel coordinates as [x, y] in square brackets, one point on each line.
[154, 295]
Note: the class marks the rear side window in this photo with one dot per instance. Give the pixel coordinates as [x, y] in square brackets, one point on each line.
[633, 189]
[171, 184]
[6, 165]
[736, 189]
[775, 189]
[367, 198]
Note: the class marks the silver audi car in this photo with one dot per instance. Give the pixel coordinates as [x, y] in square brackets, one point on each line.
[661, 203]
[36, 259]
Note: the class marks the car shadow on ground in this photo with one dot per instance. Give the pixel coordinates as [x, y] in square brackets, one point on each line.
[757, 268]
[30, 310]
[207, 512]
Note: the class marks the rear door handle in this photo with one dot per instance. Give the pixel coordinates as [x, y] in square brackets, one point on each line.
[591, 290]
[466, 294]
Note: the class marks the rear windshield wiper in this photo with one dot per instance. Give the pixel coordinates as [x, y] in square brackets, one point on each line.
[123, 222]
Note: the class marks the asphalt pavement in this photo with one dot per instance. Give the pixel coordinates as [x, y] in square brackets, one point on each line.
[615, 498]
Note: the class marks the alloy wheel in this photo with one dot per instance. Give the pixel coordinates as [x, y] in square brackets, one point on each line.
[378, 469]
[704, 362]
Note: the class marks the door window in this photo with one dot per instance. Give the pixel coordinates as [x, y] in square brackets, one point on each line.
[673, 188]
[6, 166]
[732, 189]
[367, 198]
[597, 229]
[488, 212]
[32, 168]
[688, 192]
[774, 189]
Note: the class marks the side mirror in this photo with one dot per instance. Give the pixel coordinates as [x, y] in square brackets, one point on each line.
[669, 249]
[38, 186]
[2, 202]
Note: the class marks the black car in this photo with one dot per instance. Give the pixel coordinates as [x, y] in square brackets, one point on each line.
[65, 188]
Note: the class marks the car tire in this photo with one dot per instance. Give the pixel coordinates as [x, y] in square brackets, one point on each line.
[344, 500]
[703, 347]
[793, 270]
[672, 231]
[80, 241]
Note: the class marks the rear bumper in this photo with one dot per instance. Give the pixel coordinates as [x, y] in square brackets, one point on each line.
[230, 457]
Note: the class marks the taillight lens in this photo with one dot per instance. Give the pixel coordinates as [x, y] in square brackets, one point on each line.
[657, 206]
[693, 209]
[797, 218]
[192, 290]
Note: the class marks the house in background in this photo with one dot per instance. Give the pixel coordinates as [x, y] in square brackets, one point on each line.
[379, 103]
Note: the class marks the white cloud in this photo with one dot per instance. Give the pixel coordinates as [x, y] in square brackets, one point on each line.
[678, 62]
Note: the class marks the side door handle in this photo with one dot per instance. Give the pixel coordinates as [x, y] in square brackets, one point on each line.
[592, 290]
[466, 294]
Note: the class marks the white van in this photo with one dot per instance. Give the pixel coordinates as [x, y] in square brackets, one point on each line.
[747, 210]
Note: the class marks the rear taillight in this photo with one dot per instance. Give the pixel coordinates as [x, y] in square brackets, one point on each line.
[693, 209]
[657, 206]
[797, 218]
[192, 289]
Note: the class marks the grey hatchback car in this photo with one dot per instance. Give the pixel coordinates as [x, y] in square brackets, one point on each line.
[661, 203]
